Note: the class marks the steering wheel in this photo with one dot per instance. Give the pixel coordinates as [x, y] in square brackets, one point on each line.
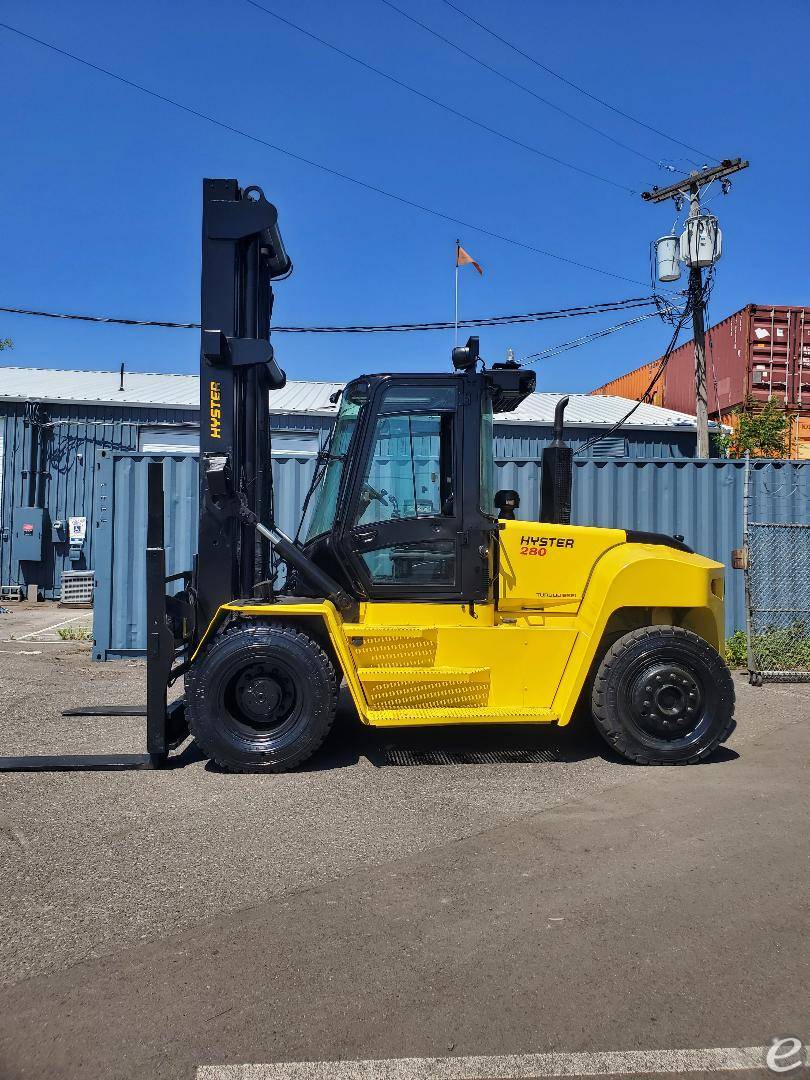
[370, 494]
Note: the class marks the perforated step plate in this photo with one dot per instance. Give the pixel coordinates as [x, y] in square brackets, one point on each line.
[389, 646]
[486, 715]
[432, 687]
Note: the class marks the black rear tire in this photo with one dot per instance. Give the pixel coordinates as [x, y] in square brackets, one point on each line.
[662, 695]
[262, 698]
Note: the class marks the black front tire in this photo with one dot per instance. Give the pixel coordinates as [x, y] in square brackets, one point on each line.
[662, 695]
[262, 698]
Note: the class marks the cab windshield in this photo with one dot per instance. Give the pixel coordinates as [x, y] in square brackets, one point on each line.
[320, 518]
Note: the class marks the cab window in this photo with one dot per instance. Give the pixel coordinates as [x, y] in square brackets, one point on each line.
[410, 471]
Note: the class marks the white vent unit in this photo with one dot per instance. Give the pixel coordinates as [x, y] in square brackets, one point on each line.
[169, 440]
[611, 446]
[77, 588]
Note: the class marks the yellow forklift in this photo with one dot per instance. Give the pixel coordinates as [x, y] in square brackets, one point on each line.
[410, 578]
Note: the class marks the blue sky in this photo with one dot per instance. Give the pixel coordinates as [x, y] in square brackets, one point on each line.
[100, 185]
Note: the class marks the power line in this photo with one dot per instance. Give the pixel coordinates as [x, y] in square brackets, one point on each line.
[519, 85]
[101, 319]
[566, 346]
[492, 320]
[684, 315]
[440, 104]
[575, 86]
[403, 200]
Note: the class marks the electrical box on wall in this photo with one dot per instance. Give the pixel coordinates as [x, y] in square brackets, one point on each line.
[30, 524]
[77, 534]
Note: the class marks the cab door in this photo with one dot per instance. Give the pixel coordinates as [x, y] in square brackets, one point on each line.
[402, 534]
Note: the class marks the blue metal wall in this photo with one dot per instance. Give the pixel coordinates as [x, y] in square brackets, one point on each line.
[119, 615]
[524, 442]
[702, 500]
[79, 435]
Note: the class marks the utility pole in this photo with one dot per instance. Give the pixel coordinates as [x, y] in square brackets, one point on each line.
[699, 329]
[691, 185]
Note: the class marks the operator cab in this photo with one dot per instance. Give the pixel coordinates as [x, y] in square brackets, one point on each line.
[404, 508]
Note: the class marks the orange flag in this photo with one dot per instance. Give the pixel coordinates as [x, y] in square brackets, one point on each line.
[463, 258]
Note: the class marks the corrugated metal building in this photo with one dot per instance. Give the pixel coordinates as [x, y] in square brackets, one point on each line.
[74, 422]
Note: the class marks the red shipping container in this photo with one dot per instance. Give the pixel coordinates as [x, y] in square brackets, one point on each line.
[758, 352]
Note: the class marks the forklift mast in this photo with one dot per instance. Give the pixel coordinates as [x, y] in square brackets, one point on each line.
[242, 252]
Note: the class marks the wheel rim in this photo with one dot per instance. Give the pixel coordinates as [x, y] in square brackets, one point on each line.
[665, 700]
[259, 702]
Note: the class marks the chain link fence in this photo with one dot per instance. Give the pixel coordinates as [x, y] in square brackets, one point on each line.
[777, 590]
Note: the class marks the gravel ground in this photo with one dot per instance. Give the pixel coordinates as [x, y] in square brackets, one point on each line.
[91, 863]
[41, 623]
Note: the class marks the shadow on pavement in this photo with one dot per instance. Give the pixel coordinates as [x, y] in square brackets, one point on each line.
[491, 744]
[486, 744]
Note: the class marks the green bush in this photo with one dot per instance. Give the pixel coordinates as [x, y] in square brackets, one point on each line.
[775, 649]
[783, 648]
[737, 650]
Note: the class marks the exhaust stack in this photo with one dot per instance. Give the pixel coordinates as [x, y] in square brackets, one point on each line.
[557, 474]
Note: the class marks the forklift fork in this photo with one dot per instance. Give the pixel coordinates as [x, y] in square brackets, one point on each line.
[170, 621]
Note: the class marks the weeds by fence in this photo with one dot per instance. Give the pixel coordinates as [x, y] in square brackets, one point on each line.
[778, 579]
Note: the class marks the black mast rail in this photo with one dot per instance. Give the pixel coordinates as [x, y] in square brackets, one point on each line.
[242, 253]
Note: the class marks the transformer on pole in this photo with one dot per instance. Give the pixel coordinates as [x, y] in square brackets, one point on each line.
[700, 245]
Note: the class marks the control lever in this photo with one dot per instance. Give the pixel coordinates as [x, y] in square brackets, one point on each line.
[291, 553]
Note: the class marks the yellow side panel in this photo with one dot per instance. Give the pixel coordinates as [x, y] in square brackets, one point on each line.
[546, 566]
[688, 587]
[455, 656]
[414, 613]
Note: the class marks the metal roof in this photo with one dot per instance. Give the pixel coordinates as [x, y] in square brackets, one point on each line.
[182, 392]
[595, 412]
[98, 387]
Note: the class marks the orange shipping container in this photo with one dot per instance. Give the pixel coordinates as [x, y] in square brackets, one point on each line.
[798, 442]
[801, 441]
[634, 385]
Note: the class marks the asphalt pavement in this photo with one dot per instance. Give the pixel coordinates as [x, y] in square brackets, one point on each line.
[445, 895]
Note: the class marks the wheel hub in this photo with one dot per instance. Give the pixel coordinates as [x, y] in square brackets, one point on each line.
[667, 700]
[263, 695]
